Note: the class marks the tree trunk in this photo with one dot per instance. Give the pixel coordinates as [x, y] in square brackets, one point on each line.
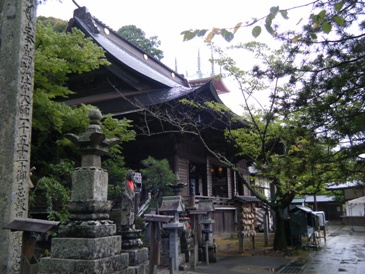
[279, 238]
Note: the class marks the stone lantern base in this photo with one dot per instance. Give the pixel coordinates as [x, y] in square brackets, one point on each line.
[85, 255]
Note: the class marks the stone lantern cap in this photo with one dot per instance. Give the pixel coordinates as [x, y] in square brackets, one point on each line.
[92, 143]
[172, 204]
[206, 205]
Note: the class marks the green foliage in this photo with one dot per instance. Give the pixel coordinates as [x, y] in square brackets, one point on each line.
[310, 132]
[157, 175]
[140, 224]
[115, 166]
[329, 12]
[331, 92]
[118, 128]
[114, 163]
[291, 156]
[138, 37]
[57, 55]
[256, 31]
[54, 192]
[57, 25]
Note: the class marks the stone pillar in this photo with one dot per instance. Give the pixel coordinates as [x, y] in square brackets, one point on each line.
[17, 36]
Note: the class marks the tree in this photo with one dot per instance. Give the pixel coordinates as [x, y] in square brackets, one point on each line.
[58, 25]
[157, 176]
[291, 156]
[138, 37]
[323, 115]
[318, 21]
[57, 55]
[332, 93]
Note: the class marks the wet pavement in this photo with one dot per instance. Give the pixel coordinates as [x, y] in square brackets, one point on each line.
[238, 264]
[343, 252]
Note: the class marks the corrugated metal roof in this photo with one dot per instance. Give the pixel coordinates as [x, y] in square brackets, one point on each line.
[351, 184]
[303, 208]
[298, 200]
[319, 199]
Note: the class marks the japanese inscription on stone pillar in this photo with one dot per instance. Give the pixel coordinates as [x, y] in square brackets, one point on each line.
[17, 37]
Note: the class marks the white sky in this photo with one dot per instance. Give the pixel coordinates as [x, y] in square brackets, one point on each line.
[167, 19]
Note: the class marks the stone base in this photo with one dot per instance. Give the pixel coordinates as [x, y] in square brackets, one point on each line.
[165, 260]
[87, 229]
[129, 244]
[84, 208]
[131, 239]
[86, 248]
[137, 256]
[114, 264]
[139, 269]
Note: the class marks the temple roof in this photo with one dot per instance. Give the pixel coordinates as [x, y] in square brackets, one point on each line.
[133, 76]
[124, 51]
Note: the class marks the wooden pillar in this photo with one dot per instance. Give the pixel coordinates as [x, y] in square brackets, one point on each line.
[241, 242]
[266, 227]
[154, 253]
[17, 36]
[154, 247]
[196, 241]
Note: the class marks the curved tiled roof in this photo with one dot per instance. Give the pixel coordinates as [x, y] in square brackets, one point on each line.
[124, 51]
[147, 80]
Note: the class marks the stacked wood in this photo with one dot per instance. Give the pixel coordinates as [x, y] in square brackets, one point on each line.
[247, 222]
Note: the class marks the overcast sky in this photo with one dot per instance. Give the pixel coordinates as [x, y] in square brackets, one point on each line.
[167, 19]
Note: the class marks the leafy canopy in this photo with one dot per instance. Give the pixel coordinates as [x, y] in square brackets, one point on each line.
[290, 156]
[157, 176]
[138, 37]
[325, 14]
[57, 55]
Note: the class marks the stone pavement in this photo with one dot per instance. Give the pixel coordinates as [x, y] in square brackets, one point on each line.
[238, 264]
[343, 252]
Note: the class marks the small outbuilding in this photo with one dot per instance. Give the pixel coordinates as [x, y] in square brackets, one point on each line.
[302, 222]
[355, 212]
[356, 207]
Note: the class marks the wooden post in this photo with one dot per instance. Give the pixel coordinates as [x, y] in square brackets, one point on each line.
[196, 242]
[154, 247]
[207, 252]
[266, 227]
[154, 252]
[241, 242]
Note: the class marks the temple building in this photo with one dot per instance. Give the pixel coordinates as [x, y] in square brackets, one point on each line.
[136, 85]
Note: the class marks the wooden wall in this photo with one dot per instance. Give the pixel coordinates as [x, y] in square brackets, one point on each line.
[225, 221]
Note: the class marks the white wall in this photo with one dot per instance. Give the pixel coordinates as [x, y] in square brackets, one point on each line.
[354, 210]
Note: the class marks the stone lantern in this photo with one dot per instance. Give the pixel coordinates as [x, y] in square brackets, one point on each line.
[207, 229]
[87, 243]
[173, 205]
